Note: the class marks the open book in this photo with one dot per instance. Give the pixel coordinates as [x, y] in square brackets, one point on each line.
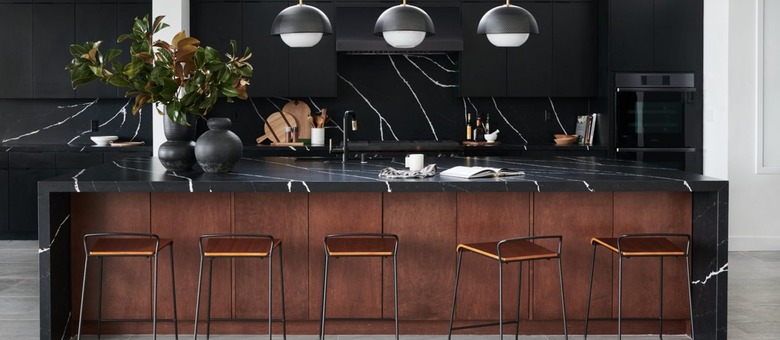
[479, 172]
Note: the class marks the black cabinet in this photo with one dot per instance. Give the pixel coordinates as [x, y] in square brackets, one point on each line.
[575, 49]
[125, 17]
[17, 54]
[3, 193]
[483, 67]
[270, 56]
[279, 71]
[53, 29]
[561, 61]
[312, 71]
[96, 22]
[655, 35]
[529, 67]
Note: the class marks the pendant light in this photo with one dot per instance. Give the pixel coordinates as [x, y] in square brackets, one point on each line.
[507, 25]
[301, 25]
[404, 26]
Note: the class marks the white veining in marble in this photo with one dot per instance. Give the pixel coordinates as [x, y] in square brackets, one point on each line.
[432, 61]
[122, 111]
[256, 110]
[56, 233]
[189, 180]
[314, 104]
[538, 189]
[9, 149]
[555, 112]
[67, 323]
[289, 185]
[476, 110]
[687, 186]
[381, 118]
[507, 121]
[450, 59]
[283, 98]
[588, 186]
[388, 186]
[434, 81]
[76, 180]
[138, 127]
[86, 106]
[274, 104]
[723, 269]
[425, 114]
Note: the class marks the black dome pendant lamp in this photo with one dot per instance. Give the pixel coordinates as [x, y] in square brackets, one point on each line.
[507, 25]
[404, 26]
[301, 25]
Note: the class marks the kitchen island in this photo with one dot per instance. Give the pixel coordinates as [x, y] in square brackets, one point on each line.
[301, 201]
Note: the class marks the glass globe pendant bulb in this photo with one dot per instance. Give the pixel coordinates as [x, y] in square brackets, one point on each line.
[508, 39]
[301, 39]
[404, 39]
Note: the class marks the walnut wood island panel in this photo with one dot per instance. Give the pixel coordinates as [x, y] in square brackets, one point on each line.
[300, 202]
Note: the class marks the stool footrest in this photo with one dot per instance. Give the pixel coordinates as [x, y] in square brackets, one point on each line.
[246, 319]
[484, 325]
[133, 320]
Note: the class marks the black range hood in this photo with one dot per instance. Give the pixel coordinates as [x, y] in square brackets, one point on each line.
[355, 31]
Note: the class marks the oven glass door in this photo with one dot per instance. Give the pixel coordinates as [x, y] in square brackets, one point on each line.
[672, 160]
[651, 119]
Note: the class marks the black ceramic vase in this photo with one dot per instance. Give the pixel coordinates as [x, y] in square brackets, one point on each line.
[218, 149]
[177, 153]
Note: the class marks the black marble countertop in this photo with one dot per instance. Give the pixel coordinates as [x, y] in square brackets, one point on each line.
[286, 174]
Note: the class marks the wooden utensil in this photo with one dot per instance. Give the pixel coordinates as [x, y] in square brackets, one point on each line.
[300, 110]
[274, 126]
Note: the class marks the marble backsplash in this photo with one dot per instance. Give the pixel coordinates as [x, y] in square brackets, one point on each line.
[396, 97]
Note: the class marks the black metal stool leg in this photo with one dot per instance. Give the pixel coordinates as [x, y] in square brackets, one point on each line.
[270, 295]
[83, 286]
[100, 297]
[173, 292]
[590, 291]
[395, 292]
[455, 293]
[324, 296]
[197, 298]
[688, 284]
[563, 300]
[661, 300]
[519, 285]
[620, 296]
[154, 300]
[208, 305]
[500, 300]
[281, 279]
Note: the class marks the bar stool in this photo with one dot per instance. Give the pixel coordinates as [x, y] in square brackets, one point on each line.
[228, 246]
[360, 245]
[519, 250]
[126, 245]
[643, 245]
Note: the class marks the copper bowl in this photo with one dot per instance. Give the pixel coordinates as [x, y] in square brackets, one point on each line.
[567, 140]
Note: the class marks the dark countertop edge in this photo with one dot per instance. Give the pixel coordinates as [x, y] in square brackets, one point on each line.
[71, 148]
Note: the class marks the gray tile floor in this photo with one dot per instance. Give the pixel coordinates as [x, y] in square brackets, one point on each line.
[754, 300]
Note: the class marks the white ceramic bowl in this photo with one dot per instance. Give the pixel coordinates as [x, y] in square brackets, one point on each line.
[491, 138]
[103, 140]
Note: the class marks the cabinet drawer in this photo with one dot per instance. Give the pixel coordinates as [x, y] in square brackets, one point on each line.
[27, 160]
[78, 160]
[3, 160]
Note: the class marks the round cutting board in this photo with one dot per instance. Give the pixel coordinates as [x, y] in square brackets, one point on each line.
[274, 126]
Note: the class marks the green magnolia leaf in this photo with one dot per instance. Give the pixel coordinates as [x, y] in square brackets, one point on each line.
[229, 91]
[78, 50]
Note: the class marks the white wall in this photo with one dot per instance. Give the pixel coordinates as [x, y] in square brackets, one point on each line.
[754, 199]
[177, 16]
[715, 88]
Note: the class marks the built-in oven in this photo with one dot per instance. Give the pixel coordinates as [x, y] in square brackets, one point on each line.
[656, 120]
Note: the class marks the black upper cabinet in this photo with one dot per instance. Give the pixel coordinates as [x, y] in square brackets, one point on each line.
[575, 50]
[655, 35]
[483, 66]
[313, 70]
[270, 56]
[216, 23]
[529, 67]
[4, 201]
[96, 22]
[678, 27]
[16, 56]
[53, 28]
[125, 18]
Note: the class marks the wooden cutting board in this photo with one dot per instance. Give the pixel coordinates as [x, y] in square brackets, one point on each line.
[274, 126]
[301, 111]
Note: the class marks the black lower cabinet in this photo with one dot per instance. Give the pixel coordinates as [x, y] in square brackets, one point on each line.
[23, 205]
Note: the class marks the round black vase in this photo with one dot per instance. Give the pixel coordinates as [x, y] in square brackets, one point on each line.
[178, 152]
[218, 149]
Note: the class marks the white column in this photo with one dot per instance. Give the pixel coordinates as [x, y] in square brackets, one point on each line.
[177, 16]
[716, 88]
